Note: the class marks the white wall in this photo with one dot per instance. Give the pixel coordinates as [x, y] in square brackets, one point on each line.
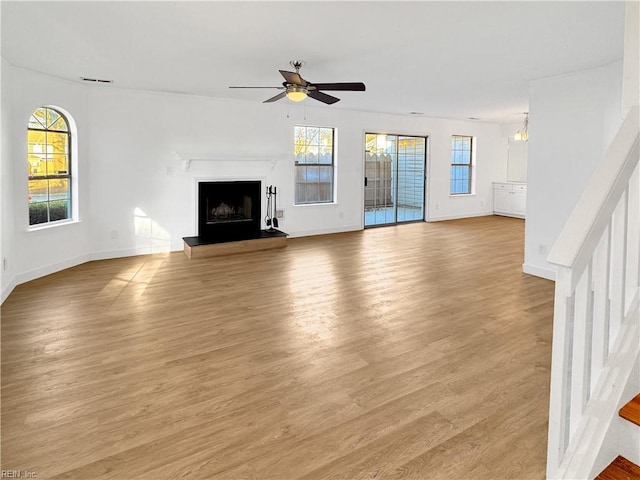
[517, 160]
[40, 252]
[631, 68]
[134, 135]
[136, 198]
[7, 268]
[572, 120]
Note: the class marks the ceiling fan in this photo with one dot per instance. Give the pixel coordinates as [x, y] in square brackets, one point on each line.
[297, 88]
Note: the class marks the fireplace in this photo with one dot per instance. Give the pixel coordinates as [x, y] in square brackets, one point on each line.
[229, 210]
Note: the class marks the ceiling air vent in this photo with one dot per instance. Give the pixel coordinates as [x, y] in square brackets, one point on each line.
[96, 80]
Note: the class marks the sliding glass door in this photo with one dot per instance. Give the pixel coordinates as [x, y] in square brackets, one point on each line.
[394, 179]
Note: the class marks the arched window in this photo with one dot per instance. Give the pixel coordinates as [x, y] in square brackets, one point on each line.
[49, 166]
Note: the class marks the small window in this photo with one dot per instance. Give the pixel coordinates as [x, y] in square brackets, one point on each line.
[315, 161]
[461, 164]
[49, 166]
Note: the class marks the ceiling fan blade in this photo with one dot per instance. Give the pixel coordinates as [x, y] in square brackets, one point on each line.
[293, 78]
[276, 98]
[281, 88]
[345, 87]
[323, 97]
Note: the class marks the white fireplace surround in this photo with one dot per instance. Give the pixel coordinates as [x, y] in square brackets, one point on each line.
[188, 158]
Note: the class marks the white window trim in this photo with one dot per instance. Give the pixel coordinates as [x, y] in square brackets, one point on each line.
[472, 167]
[48, 225]
[334, 200]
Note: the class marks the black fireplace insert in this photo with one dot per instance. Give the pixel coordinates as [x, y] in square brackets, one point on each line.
[229, 210]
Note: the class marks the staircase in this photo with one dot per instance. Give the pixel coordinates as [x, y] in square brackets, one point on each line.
[622, 468]
[631, 411]
[595, 366]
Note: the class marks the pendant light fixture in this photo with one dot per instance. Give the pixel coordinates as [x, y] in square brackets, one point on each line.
[523, 133]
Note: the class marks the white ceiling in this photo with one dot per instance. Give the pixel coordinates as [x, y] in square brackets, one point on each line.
[443, 59]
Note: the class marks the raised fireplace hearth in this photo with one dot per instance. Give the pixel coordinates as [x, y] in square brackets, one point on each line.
[229, 210]
[229, 219]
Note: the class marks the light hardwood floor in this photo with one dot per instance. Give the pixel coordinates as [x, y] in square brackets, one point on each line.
[417, 351]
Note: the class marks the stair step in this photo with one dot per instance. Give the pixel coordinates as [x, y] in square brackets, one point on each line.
[631, 411]
[620, 469]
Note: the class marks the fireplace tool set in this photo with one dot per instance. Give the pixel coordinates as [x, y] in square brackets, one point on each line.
[270, 219]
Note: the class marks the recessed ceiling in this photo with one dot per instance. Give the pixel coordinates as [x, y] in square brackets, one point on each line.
[443, 59]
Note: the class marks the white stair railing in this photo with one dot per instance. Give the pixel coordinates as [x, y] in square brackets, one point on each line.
[596, 330]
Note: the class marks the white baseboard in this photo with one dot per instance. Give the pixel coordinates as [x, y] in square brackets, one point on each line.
[75, 261]
[52, 268]
[133, 252]
[539, 271]
[325, 231]
[441, 218]
[7, 289]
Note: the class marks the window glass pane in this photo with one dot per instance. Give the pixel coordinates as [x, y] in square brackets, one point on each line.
[314, 164]
[460, 173]
[299, 135]
[461, 148]
[38, 213]
[58, 165]
[37, 166]
[325, 174]
[324, 192]
[35, 140]
[59, 189]
[313, 174]
[59, 210]
[460, 179]
[326, 136]
[313, 192]
[55, 121]
[34, 123]
[301, 174]
[370, 143]
[313, 136]
[325, 156]
[60, 125]
[301, 193]
[57, 143]
[311, 154]
[38, 119]
[52, 117]
[38, 191]
[48, 163]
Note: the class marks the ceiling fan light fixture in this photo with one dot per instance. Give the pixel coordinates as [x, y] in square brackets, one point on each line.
[296, 94]
[296, 88]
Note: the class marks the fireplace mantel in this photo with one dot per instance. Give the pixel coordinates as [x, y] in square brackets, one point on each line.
[187, 158]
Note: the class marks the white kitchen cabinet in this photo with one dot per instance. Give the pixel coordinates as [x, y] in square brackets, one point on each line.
[510, 199]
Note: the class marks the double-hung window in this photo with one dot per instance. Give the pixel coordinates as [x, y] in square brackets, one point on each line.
[314, 164]
[49, 166]
[461, 164]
